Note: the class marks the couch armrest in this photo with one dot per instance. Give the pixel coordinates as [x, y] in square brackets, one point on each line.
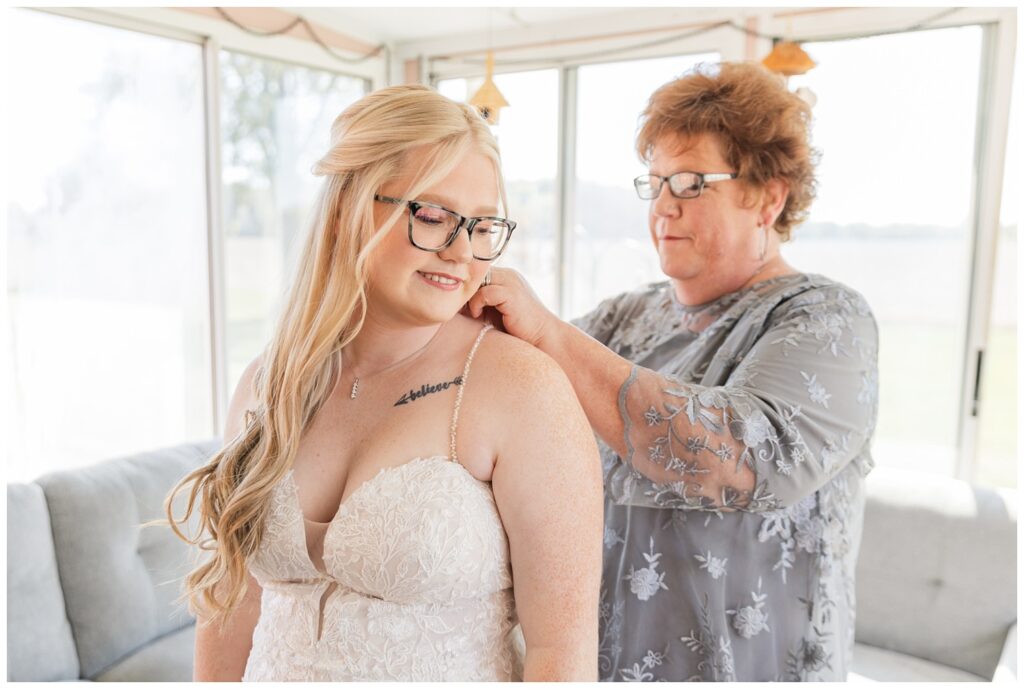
[1006, 670]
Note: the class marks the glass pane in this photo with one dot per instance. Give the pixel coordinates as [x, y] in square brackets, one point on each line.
[997, 430]
[275, 123]
[107, 279]
[612, 250]
[895, 121]
[527, 135]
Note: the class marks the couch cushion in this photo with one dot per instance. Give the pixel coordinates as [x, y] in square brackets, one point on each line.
[1006, 670]
[871, 664]
[121, 581]
[39, 642]
[167, 659]
[937, 572]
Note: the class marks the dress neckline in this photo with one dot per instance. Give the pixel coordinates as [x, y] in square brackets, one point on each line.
[289, 480]
[450, 458]
[728, 298]
[290, 476]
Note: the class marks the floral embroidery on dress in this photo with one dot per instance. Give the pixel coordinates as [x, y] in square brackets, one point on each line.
[757, 411]
[612, 537]
[716, 662]
[421, 584]
[610, 617]
[815, 390]
[639, 671]
[715, 566]
[810, 657]
[751, 620]
[647, 581]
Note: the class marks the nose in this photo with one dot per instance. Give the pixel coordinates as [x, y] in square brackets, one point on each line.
[460, 250]
[665, 204]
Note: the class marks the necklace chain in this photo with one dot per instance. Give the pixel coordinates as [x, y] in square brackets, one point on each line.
[403, 360]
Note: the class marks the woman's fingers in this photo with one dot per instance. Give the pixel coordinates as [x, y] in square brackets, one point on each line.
[488, 295]
[508, 300]
[477, 303]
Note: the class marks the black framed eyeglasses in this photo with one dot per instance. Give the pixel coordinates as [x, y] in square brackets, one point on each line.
[433, 228]
[682, 185]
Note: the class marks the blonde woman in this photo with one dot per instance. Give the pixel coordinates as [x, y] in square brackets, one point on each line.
[400, 490]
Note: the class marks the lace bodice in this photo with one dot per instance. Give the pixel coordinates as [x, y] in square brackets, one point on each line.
[416, 583]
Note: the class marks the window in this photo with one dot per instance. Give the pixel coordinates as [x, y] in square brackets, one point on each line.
[109, 338]
[892, 218]
[527, 136]
[997, 424]
[276, 121]
[107, 281]
[612, 250]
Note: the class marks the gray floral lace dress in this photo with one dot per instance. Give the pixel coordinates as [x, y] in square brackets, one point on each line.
[732, 524]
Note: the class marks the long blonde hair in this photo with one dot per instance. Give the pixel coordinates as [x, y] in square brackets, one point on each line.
[323, 313]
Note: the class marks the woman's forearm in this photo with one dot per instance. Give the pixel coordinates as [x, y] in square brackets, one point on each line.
[596, 374]
[561, 664]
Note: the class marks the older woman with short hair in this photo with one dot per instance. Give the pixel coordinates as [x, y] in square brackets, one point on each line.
[735, 402]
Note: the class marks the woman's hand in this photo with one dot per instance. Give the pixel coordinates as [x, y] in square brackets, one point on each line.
[521, 313]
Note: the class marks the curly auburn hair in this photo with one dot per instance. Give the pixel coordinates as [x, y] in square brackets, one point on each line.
[764, 129]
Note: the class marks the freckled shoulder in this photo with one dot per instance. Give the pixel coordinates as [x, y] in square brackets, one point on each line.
[523, 377]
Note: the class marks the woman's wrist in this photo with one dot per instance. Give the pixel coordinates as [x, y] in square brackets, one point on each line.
[551, 337]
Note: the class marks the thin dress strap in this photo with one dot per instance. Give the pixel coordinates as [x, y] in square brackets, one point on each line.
[458, 397]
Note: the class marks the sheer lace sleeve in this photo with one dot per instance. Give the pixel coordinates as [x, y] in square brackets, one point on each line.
[799, 405]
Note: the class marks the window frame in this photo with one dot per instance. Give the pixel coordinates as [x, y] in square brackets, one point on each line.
[212, 39]
[825, 25]
[991, 134]
[819, 24]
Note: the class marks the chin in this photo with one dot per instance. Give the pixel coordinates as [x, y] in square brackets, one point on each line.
[680, 270]
[442, 313]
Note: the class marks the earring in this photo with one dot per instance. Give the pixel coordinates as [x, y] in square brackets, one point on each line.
[764, 241]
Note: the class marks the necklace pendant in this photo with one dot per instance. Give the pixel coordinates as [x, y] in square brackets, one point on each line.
[355, 389]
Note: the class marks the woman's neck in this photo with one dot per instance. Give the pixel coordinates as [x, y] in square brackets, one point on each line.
[380, 345]
[702, 290]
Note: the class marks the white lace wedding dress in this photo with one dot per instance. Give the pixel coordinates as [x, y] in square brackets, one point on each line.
[415, 585]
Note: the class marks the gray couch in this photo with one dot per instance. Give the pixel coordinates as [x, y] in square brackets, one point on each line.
[90, 595]
[936, 580]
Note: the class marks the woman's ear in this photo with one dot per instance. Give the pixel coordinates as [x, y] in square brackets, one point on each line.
[773, 200]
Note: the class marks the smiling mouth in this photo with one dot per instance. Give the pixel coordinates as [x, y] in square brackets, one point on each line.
[439, 280]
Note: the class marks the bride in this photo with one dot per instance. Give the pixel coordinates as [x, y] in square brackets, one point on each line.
[402, 494]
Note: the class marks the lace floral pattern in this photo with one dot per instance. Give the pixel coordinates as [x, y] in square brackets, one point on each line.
[417, 584]
[756, 411]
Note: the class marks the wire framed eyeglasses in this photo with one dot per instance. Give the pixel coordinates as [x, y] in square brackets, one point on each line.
[682, 185]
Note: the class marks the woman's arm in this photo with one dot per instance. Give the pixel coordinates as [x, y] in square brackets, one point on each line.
[547, 485]
[221, 653]
[800, 405]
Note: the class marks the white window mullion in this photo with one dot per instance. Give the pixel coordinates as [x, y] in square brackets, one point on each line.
[566, 186]
[215, 235]
[990, 158]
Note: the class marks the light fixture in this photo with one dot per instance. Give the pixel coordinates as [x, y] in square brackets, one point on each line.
[488, 99]
[788, 59]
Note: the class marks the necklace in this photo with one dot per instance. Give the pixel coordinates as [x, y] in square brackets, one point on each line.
[403, 360]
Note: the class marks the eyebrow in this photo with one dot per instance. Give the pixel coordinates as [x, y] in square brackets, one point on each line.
[442, 200]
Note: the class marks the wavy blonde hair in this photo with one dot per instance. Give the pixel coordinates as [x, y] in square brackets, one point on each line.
[324, 311]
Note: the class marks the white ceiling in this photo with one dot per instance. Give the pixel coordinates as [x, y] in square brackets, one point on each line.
[404, 24]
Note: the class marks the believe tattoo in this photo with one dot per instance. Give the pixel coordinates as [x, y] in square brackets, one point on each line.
[425, 390]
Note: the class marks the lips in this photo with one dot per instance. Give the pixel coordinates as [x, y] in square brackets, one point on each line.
[440, 280]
